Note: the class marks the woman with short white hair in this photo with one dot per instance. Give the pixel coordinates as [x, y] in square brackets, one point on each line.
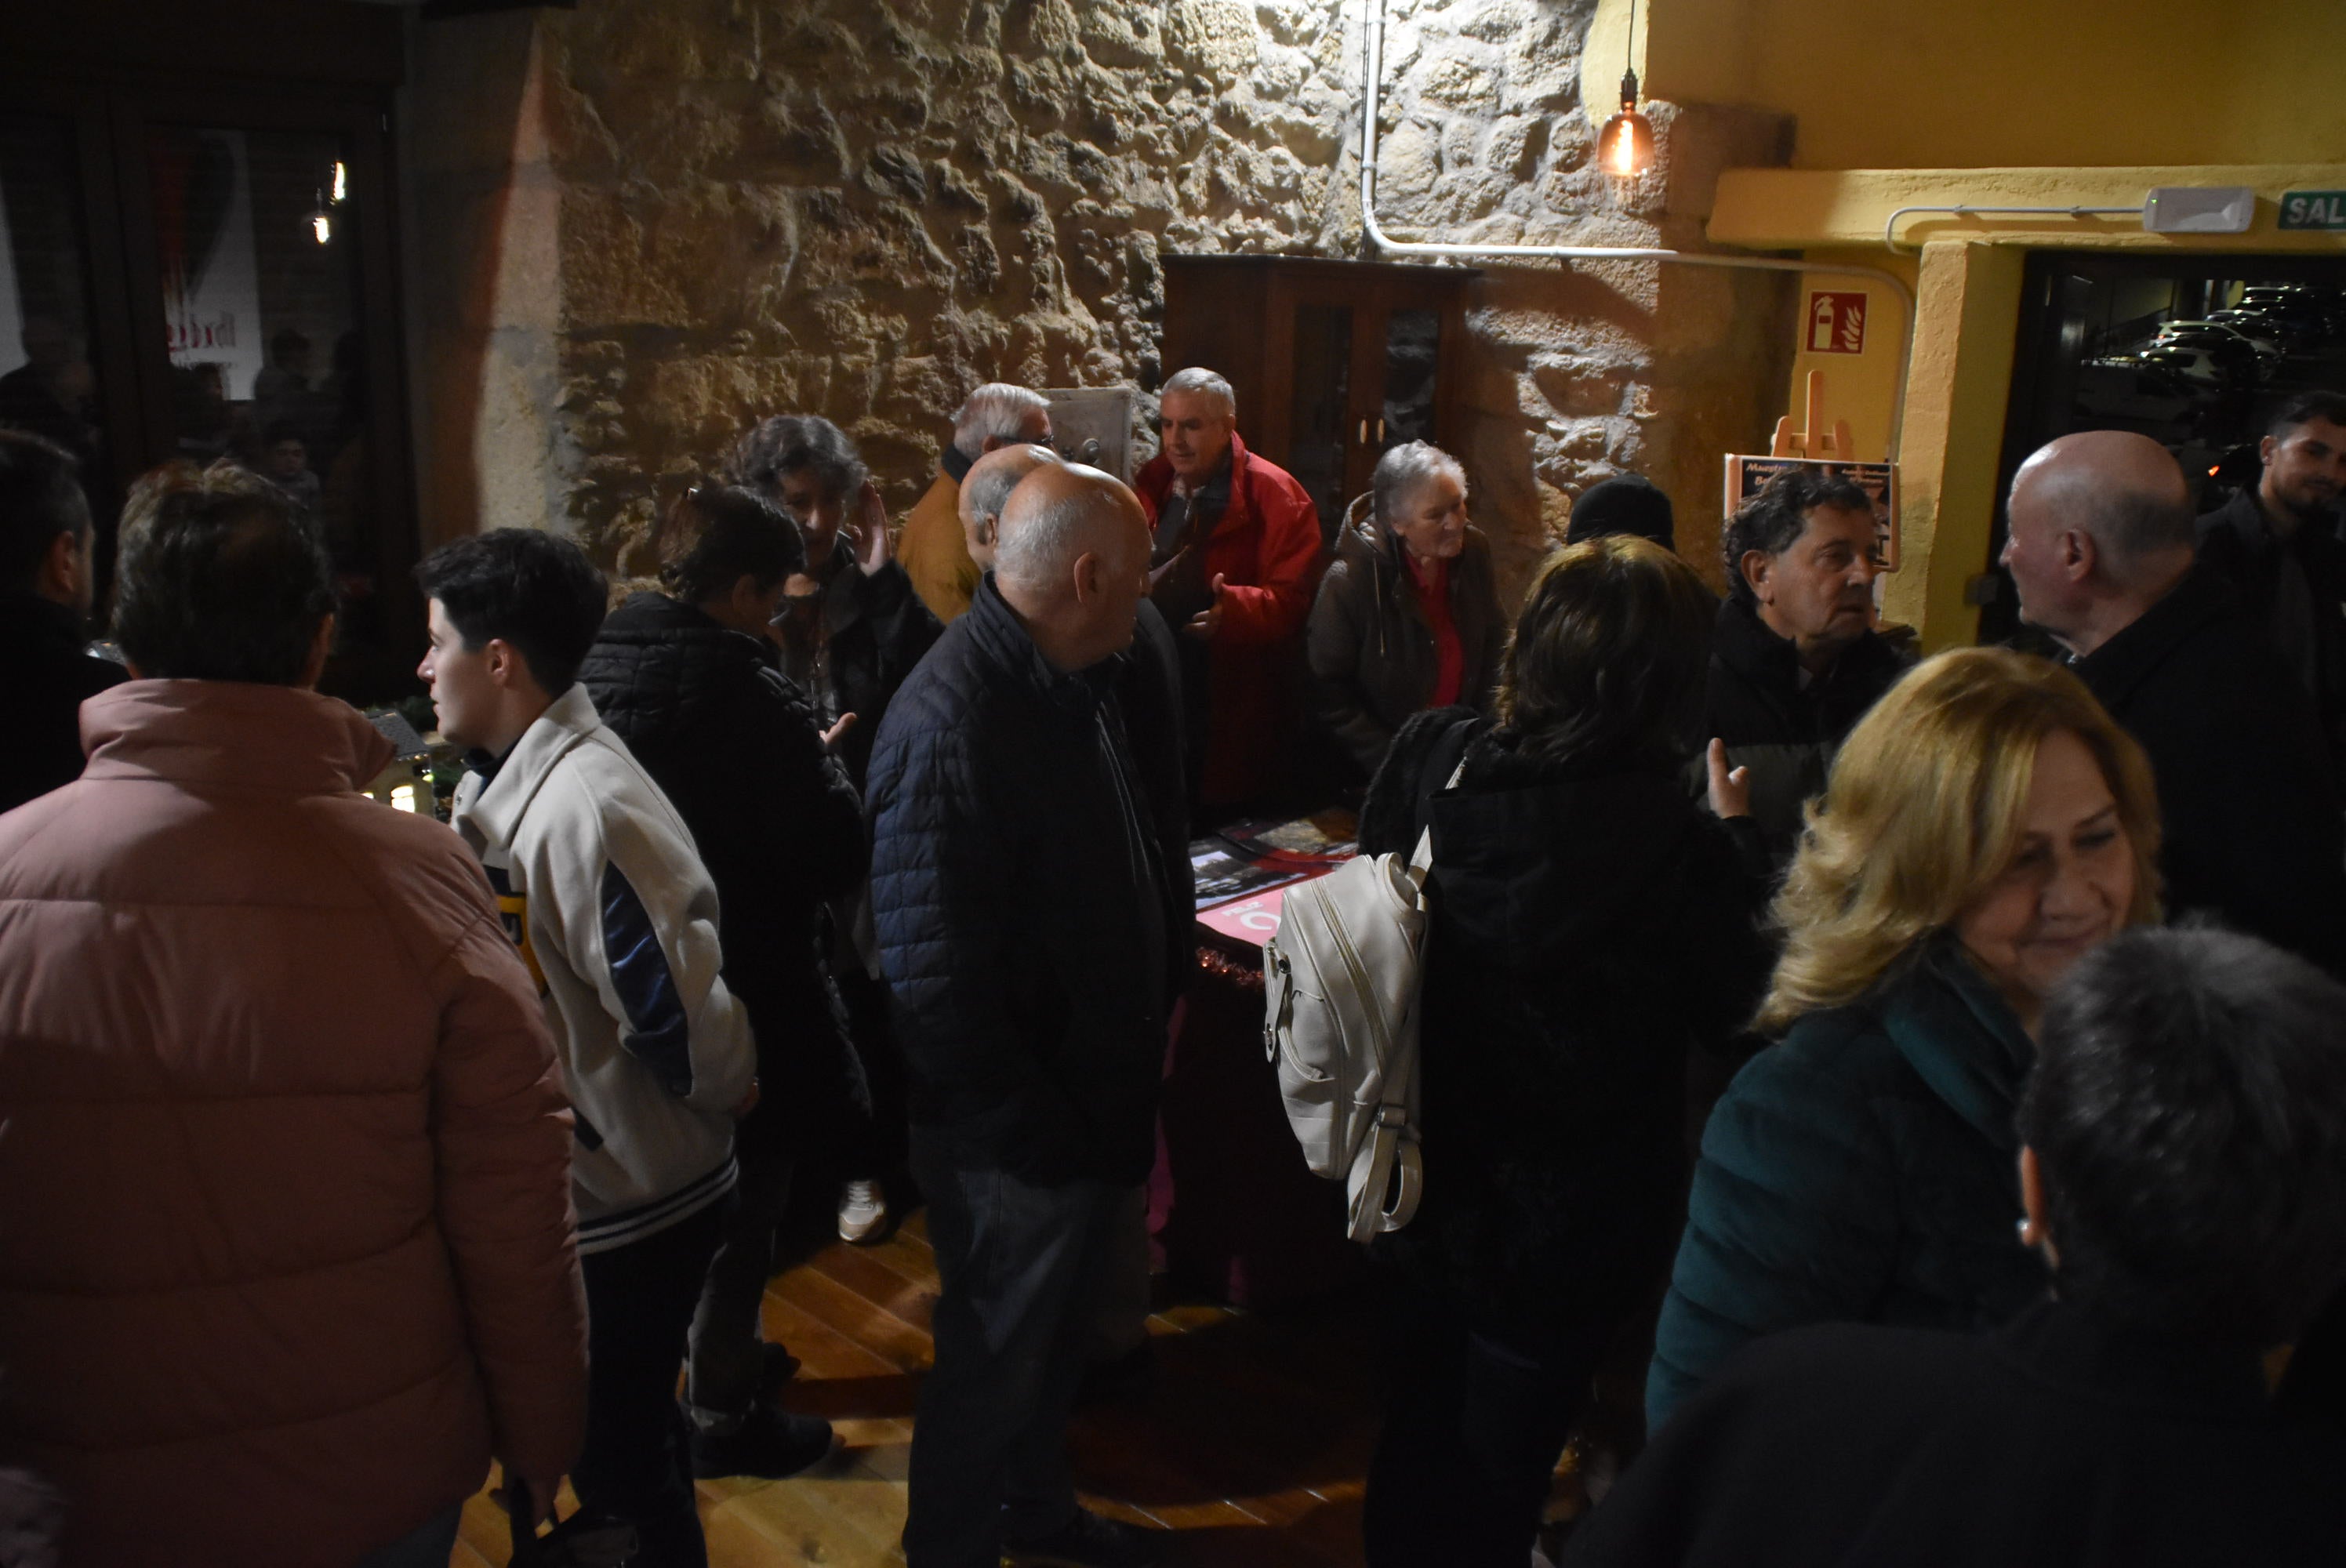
[1408, 616]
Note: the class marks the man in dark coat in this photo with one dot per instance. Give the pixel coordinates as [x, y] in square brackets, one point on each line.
[1149, 688]
[1795, 660]
[46, 573]
[1025, 914]
[2100, 549]
[2184, 1175]
[2278, 544]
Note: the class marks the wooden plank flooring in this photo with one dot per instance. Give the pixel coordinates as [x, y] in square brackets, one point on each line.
[1250, 1446]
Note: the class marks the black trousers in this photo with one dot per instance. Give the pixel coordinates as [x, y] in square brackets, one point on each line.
[1474, 1428]
[1021, 1268]
[637, 1460]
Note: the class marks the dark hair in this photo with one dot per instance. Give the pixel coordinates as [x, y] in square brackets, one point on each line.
[716, 535]
[218, 578]
[287, 342]
[1625, 503]
[40, 498]
[795, 443]
[2304, 409]
[535, 590]
[1773, 521]
[1606, 660]
[2189, 1114]
[283, 430]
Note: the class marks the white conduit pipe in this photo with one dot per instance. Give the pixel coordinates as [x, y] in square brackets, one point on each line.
[1374, 68]
[1890, 225]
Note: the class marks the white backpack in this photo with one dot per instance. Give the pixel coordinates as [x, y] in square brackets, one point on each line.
[1341, 983]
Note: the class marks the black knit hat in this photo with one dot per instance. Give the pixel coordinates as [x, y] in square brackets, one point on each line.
[1626, 504]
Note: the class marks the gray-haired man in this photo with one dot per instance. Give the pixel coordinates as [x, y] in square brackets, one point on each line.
[931, 548]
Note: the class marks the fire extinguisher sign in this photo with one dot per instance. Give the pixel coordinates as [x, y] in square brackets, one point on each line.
[1836, 322]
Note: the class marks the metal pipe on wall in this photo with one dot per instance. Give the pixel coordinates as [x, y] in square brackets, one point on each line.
[1374, 67]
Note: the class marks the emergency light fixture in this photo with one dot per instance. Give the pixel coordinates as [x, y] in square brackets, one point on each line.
[1625, 147]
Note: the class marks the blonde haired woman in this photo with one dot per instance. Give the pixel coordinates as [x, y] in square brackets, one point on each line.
[1984, 827]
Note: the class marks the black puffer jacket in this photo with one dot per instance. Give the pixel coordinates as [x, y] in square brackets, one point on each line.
[40, 702]
[734, 746]
[1587, 927]
[1785, 733]
[1023, 909]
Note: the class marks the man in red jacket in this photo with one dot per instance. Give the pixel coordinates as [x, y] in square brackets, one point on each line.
[1236, 556]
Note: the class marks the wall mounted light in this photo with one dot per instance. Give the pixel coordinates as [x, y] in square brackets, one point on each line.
[1625, 148]
[322, 222]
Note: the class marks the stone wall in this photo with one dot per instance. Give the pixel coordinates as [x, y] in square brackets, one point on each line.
[864, 208]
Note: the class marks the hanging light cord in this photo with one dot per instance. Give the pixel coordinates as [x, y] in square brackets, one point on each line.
[1629, 64]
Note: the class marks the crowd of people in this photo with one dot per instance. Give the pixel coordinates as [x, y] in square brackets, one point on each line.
[342, 1151]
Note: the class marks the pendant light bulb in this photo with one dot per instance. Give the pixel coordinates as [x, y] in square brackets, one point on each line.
[1625, 148]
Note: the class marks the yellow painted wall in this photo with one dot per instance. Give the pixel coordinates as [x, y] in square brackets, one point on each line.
[2018, 102]
[1886, 84]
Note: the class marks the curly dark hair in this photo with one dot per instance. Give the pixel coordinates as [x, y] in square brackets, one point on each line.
[796, 444]
[218, 577]
[1773, 521]
[2188, 1110]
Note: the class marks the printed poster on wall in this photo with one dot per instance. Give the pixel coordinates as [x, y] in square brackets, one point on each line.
[1747, 476]
[203, 234]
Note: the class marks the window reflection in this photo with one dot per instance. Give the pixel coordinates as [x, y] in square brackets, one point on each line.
[46, 384]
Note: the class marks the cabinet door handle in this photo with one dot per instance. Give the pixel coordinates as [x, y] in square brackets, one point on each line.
[1364, 432]
[1380, 432]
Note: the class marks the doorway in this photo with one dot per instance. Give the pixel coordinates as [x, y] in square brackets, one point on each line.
[207, 275]
[2194, 350]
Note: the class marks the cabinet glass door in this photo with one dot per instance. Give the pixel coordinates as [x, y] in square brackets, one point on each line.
[1413, 365]
[1317, 447]
[48, 382]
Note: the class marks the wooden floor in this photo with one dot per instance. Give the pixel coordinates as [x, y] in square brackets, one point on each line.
[1250, 1446]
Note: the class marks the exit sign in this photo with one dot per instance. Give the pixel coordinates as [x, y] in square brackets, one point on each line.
[2313, 209]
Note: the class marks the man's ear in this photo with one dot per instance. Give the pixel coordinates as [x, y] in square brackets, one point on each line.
[1088, 576]
[321, 645]
[2265, 450]
[504, 664]
[2078, 554]
[2038, 1230]
[63, 566]
[989, 530]
[1756, 565]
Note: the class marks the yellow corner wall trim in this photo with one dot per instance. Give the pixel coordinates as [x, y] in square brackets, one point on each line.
[1792, 208]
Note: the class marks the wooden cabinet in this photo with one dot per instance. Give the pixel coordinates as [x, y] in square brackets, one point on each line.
[1333, 361]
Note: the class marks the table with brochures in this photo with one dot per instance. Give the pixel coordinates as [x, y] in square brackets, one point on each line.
[1241, 1215]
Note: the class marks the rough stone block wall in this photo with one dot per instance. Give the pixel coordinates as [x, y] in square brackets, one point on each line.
[864, 208]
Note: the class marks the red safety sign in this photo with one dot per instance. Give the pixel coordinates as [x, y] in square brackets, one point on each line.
[1837, 324]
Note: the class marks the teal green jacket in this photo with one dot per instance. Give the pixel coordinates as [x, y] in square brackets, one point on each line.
[1860, 1170]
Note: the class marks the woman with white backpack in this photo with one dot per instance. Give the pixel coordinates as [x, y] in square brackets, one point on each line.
[1589, 923]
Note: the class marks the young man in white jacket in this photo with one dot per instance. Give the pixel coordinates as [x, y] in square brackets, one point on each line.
[605, 895]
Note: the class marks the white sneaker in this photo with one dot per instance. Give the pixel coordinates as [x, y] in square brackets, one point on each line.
[863, 1210]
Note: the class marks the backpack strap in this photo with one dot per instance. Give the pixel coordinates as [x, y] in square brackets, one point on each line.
[1450, 753]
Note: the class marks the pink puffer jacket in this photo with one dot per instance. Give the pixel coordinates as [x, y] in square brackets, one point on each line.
[285, 1231]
